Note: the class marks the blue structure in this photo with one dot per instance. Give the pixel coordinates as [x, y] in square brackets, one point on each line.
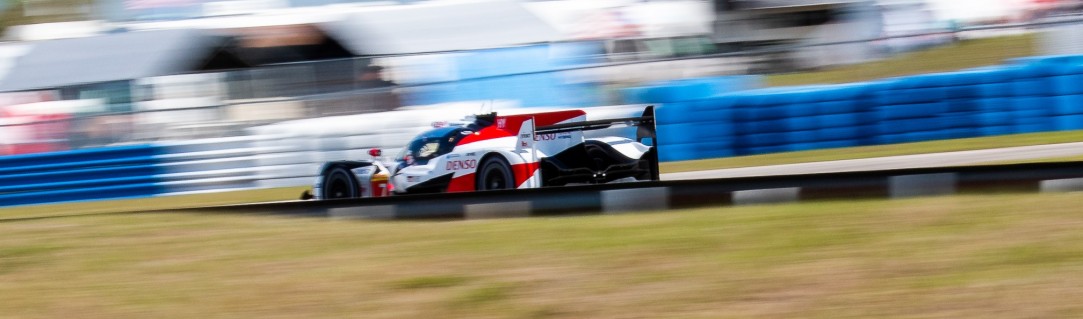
[489, 75]
[93, 174]
[1036, 94]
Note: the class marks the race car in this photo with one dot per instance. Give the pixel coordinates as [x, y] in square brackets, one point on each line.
[493, 152]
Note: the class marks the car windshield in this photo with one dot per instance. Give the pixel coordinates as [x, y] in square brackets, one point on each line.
[431, 144]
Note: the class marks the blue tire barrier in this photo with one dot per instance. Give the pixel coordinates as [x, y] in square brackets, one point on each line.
[677, 152]
[1068, 104]
[714, 149]
[909, 125]
[764, 139]
[836, 120]
[802, 123]
[1069, 122]
[719, 115]
[963, 105]
[797, 137]
[688, 133]
[1031, 87]
[802, 110]
[765, 149]
[960, 120]
[837, 107]
[996, 130]
[1067, 84]
[1041, 104]
[968, 91]
[676, 113]
[957, 133]
[994, 90]
[994, 104]
[797, 147]
[768, 126]
[698, 111]
[838, 133]
[889, 112]
[1034, 127]
[835, 144]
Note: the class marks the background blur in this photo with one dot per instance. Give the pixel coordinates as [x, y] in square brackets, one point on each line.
[303, 79]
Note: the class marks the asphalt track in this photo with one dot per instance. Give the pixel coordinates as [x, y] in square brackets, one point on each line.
[892, 162]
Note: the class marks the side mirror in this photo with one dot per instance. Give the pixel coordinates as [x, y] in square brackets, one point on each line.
[375, 152]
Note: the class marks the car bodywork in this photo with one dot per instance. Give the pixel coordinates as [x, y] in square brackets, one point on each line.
[492, 151]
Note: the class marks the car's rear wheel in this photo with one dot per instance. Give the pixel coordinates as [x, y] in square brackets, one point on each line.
[339, 182]
[495, 173]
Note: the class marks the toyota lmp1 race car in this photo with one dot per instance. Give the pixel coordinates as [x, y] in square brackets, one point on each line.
[492, 152]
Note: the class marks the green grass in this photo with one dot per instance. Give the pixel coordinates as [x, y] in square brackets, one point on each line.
[962, 55]
[998, 256]
[877, 151]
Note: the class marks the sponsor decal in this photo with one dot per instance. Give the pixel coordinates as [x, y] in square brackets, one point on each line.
[524, 144]
[453, 155]
[552, 136]
[472, 154]
[501, 123]
[412, 179]
[461, 165]
[524, 135]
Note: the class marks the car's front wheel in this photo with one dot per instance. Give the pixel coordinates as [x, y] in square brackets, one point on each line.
[339, 182]
[495, 173]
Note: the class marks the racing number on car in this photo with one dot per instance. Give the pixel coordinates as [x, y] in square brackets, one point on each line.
[461, 165]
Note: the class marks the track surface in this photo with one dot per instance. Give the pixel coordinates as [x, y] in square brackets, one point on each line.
[892, 162]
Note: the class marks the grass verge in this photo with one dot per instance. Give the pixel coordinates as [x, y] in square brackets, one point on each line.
[958, 56]
[1000, 256]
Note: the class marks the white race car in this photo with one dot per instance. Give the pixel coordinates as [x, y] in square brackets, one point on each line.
[491, 152]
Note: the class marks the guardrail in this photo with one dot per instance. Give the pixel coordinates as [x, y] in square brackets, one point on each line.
[101, 173]
[655, 196]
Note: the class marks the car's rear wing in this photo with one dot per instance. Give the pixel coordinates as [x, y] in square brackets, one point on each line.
[645, 124]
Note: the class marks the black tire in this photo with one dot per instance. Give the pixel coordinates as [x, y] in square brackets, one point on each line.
[495, 173]
[339, 182]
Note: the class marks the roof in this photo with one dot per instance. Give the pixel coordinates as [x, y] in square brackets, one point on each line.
[111, 57]
[437, 27]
